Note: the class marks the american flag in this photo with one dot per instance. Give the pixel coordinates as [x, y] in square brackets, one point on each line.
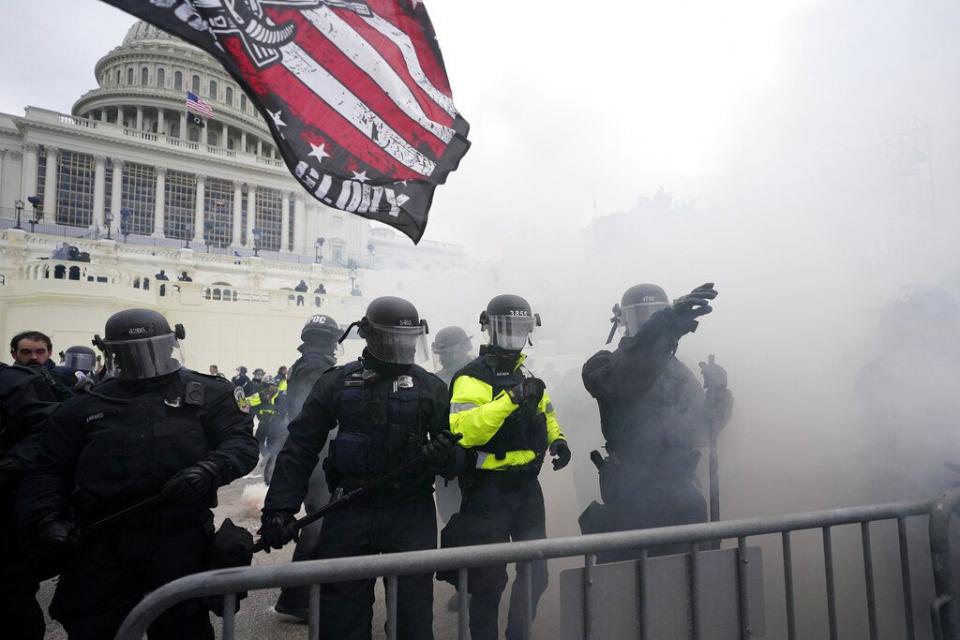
[195, 104]
[354, 91]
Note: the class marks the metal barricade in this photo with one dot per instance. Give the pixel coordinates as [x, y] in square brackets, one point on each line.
[698, 537]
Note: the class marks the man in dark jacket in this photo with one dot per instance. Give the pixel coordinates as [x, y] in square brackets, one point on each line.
[25, 403]
[33, 349]
[392, 418]
[152, 429]
[318, 353]
[654, 414]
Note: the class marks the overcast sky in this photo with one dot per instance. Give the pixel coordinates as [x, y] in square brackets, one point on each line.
[579, 108]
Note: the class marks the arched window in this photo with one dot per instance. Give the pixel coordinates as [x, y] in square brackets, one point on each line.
[243, 101]
[178, 81]
[195, 84]
[229, 96]
[118, 77]
[144, 76]
[130, 76]
[213, 89]
[161, 78]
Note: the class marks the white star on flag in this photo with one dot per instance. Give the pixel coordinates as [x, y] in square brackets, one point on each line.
[360, 176]
[276, 118]
[318, 151]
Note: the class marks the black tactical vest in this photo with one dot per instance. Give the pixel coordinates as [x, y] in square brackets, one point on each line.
[525, 428]
[381, 424]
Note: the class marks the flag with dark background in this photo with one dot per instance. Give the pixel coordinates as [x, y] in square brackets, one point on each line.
[354, 92]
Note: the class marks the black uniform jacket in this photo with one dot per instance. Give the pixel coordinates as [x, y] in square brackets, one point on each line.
[25, 403]
[309, 430]
[650, 403]
[304, 374]
[119, 443]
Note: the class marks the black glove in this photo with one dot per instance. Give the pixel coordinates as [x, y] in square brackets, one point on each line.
[530, 390]
[55, 542]
[686, 309]
[441, 450]
[561, 454]
[277, 528]
[192, 484]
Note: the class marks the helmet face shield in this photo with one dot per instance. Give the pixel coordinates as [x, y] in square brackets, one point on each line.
[510, 332]
[398, 345]
[144, 358]
[633, 316]
[79, 361]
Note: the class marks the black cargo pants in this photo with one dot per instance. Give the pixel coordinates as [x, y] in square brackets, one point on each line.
[346, 608]
[512, 504]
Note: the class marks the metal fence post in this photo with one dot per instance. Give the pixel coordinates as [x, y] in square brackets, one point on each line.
[589, 561]
[945, 617]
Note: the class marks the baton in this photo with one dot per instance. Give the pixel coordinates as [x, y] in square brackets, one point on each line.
[345, 499]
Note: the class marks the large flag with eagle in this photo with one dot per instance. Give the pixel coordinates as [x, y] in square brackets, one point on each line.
[354, 91]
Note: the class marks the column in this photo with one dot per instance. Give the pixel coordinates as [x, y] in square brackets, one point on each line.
[243, 141]
[198, 217]
[251, 212]
[100, 166]
[28, 181]
[237, 237]
[160, 123]
[205, 134]
[299, 224]
[285, 222]
[103, 115]
[50, 185]
[183, 125]
[223, 136]
[3, 153]
[259, 146]
[158, 202]
[139, 118]
[116, 195]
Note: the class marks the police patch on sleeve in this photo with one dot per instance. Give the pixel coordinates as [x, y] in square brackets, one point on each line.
[242, 403]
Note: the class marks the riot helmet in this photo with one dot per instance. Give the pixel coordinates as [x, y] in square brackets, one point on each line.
[393, 330]
[638, 303]
[320, 329]
[509, 321]
[139, 344]
[79, 359]
[452, 345]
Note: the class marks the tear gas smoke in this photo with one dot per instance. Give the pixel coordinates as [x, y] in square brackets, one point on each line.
[833, 190]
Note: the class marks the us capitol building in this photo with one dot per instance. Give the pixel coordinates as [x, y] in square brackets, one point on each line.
[128, 180]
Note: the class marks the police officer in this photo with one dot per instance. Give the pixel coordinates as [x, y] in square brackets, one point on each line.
[391, 415]
[253, 385]
[318, 352]
[654, 414]
[77, 366]
[453, 349]
[152, 428]
[270, 407]
[25, 403]
[506, 418]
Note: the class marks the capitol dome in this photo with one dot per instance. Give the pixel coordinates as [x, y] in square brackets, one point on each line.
[143, 85]
[144, 31]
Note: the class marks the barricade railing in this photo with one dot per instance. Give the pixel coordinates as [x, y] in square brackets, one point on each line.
[228, 582]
